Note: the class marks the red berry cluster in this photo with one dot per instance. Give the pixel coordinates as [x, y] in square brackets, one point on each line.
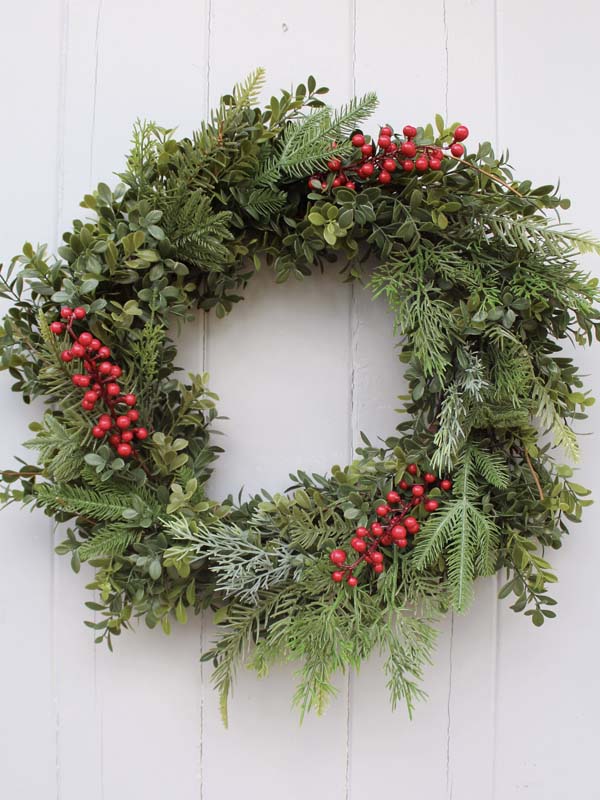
[393, 527]
[389, 154]
[100, 383]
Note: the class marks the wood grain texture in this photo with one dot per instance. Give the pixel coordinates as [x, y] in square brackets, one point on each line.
[301, 369]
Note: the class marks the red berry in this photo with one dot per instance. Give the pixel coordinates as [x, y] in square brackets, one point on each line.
[389, 164]
[116, 371]
[133, 414]
[376, 529]
[337, 556]
[457, 150]
[408, 165]
[97, 432]
[384, 141]
[337, 576]
[402, 543]
[66, 355]
[403, 484]
[446, 485]
[358, 140]
[334, 164]
[415, 529]
[113, 389]
[384, 176]
[57, 327]
[324, 186]
[410, 523]
[398, 532]
[66, 312]
[361, 532]
[85, 338]
[351, 185]
[90, 397]
[105, 368]
[87, 406]
[97, 388]
[435, 163]
[386, 131]
[358, 544]
[123, 422]
[367, 169]
[336, 182]
[104, 352]
[377, 557]
[130, 399]
[392, 148]
[418, 490]
[127, 436]
[382, 511]
[352, 581]
[412, 469]
[393, 497]
[105, 422]
[124, 450]
[367, 149]
[378, 568]
[114, 439]
[95, 344]
[141, 433]
[79, 312]
[461, 133]
[78, 350]
[408, 149]
[431, 505]
[84, 381]
[386, 539]
[429, 477]
[409, 131]
[421, 164]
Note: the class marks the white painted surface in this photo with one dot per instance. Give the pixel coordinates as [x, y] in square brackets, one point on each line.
[513, 711]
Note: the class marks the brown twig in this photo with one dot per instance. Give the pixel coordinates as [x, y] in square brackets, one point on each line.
[534, 474]
[490, 175]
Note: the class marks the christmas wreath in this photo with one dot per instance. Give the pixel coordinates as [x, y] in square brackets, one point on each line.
[483, 281]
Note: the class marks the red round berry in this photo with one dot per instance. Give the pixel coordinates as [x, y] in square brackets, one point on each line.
[393, 497]
[352, 581]
[429, 477]
[141, 433]
[95, 344]
[84, 381]
[457, 150]
[408, 149]
[358, 544]
[337, 182]
[376, 529]
[104, 352]
[130, 399]
[389, 164]
[408, 165]
[324, 186]
[367, 149]
[461, 133]
[361, 532]
[386, 131]
[358, 140]
[78, 350]
[403, 484]
[113, 389]
[66, 312]
[418, 490]
[384, 176]
[85, 338]
[105, 422]
[337, 576]
[382, 511]
[350, 185]
[446, 485]
[105, 368]
[127, 436]
[90, 397]
[66, 356]
[116, 371]
[386, 539]
[409, 131]
[123, 422]
[378, 568]
[431, 505]
[435, 163]
[410, 523]
[334, 164]
[124, 450]
[384, 141]
[133, 414]
[367, 169]
[398, 532]
[412, 469]
[421, 164]
[97, 432]
[402, 543]
[337, 556]
[377, 557]
[57, 327]
[87, 405]
[79, 312]
[114, 439]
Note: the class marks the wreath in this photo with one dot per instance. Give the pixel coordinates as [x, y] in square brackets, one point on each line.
[483, 281]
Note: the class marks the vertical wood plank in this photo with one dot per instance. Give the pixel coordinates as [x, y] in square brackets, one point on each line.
[30, 55]
[547, 677]
[281, 364]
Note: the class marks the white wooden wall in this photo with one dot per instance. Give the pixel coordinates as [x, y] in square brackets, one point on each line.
[513, 710]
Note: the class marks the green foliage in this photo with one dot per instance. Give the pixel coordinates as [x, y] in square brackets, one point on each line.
[484, 286]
